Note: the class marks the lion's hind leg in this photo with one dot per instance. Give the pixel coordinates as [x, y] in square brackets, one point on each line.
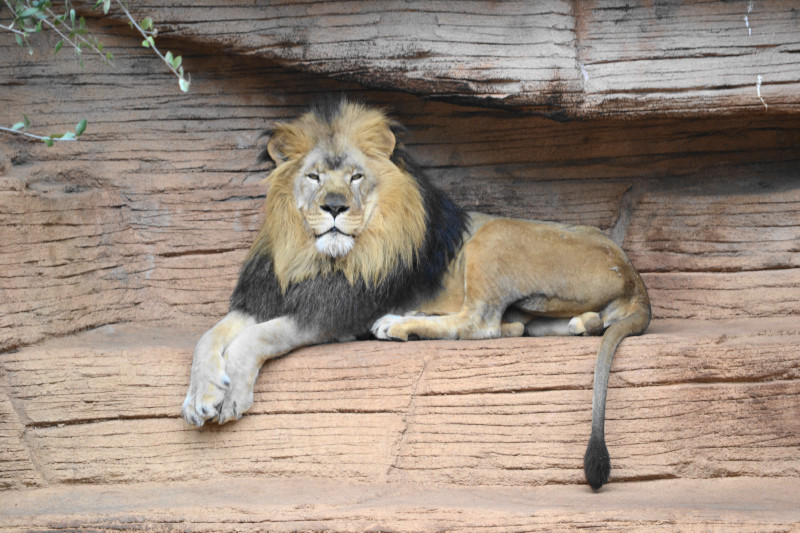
[512, 329]
[586, 324]
[589, 323]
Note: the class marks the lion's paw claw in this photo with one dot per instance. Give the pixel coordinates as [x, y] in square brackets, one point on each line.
[197, 408]
[233, 409]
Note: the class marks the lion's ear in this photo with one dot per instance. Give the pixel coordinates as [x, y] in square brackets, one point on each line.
[276, 148]
[377, 139]
[285, 143]
[389, 142]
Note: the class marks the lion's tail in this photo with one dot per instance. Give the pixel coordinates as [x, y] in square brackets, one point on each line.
[596, 462]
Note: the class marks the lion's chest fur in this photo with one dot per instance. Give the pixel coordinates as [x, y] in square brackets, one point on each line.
[329, 302]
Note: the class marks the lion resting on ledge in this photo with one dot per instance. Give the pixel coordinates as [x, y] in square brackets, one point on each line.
[356, 239]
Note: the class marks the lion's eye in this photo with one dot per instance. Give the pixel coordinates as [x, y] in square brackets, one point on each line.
[313, 176]
[356, 177]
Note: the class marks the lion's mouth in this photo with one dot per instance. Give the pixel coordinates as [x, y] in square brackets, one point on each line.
[333, 231]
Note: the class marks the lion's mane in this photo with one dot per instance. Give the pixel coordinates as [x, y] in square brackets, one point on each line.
[400, 257]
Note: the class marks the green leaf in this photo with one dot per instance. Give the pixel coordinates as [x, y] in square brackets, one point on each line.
[168, 57]
[68, 136]
[106, 6]
[146, 43]
[147, 24]
[49, 141]
[18, 126]
[26, 120]
[183, 84]
[97, 4]
[81, 23]
[80, 128]
[28, 12]
[59, 44]
[177, 62]
[19, 39]
[72, 16]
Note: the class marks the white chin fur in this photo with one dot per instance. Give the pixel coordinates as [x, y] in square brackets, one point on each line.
[335, 244]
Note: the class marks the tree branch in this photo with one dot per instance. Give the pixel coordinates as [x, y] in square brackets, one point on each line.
[33, 136]
[149, 42]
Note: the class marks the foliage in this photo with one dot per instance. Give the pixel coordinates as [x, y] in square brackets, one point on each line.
[20, 128]
[31, 17]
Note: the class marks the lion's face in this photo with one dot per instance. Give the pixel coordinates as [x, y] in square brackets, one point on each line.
[334, 193]
[336, 201]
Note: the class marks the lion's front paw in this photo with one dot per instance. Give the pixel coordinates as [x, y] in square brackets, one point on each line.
[242, 368]
[388, 328]
[239, 397]
[208, 383]
[236, 403]
[205, 396]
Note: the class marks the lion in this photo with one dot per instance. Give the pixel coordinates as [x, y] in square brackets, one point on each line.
[356, 239]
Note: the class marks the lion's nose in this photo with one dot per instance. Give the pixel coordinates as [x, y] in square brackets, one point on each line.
[335, 204]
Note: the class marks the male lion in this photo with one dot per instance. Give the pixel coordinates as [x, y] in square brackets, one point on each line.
[356, 239]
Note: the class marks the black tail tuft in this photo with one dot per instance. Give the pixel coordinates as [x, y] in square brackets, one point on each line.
[596, 463]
